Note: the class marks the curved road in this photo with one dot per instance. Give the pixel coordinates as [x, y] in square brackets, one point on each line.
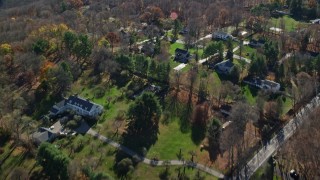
[152, 162]
[284, 134]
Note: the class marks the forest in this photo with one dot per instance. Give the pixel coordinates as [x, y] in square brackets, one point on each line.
[186, 84]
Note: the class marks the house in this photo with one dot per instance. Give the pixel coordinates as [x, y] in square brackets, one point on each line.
[81, 106]
[264, 84]
[222, 35]
[224, 67]
[256, 44]
[181, 55]
[316, 21]
[43, 135]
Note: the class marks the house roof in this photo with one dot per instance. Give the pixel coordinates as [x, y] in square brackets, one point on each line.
[82, 103]
[270, 83]
[221, 33]
[43, 135]
[54, 110]
[181, 51]
[226, 63]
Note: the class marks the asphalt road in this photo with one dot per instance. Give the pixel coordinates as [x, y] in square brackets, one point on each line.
[284, 134]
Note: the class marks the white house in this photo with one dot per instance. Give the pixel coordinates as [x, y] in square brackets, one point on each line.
[81, 106]
[316, 21]
[224, 67]
[264, 84]
[222, 35]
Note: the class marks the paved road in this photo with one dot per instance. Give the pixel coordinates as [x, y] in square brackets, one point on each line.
[284, 134]
[152, 162]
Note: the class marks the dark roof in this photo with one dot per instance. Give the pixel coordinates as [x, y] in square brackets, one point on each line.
[181, 51]
[43, 135]
[270, 83]
[82, 103]
[54, 110]
[229, 64]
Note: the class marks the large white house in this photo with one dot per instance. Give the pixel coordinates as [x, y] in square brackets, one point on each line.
[81, 106]
[264, 84]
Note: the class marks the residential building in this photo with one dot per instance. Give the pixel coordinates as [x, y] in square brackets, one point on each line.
[264, 84]
[81, 106]
[43, 135]
[222, 35]
[316, 21]
[182, 55]
[224, 67]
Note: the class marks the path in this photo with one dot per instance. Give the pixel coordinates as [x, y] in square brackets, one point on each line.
[152, 162]
[283, 135]
[201, 61]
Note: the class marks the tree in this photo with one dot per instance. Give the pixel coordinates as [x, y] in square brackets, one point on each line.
[54, 162]
[143, 119]
[213, 134]
[271, 51]
[176, 28]
[296, 8]
[69, 39]
[60, 78]
[124, 166]
[113, 39]
[229, 54]
[40, 46]
[83, 47]
[258, 67]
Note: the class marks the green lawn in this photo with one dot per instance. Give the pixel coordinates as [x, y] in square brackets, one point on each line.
[246, 49]
[170, 140]
[174, 46]
[94, 153]
[144, 171]
[248, 94]
[287, 105]
[290, 23]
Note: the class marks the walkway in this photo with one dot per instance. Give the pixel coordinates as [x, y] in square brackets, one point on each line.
[283, 135]
[152, 162]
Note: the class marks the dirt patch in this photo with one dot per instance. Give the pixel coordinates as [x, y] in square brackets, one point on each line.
[18, 151]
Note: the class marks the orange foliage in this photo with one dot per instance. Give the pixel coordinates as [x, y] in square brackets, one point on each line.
[46, 66]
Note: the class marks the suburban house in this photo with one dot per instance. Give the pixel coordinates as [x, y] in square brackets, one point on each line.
[224, 67]
[222, 35]
[316, 21]
[81, 106]
[181, 55]
[256, 44]
[43, 135]
[264, 84]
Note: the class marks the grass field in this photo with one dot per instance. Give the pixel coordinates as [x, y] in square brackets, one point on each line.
[290, 23]
[170, 141]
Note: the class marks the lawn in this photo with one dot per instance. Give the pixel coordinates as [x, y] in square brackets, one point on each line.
[174, 46]
[246, 50]
[248, 93]
[287, 105]
[170, 141]
[290, 23]
[94, 153]
[144, 171]
[13, 158]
